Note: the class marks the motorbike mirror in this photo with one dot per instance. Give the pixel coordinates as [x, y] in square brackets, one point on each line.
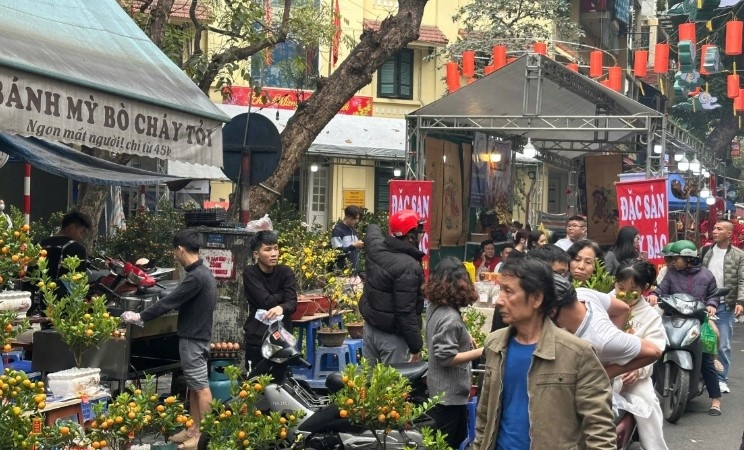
[721, 292]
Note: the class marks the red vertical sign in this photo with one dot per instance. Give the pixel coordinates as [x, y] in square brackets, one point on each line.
[644, 204]
[415, 195]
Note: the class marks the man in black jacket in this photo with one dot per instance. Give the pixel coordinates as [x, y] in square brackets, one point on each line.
[392, 301]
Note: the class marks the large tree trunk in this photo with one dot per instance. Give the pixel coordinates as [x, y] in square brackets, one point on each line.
[719, 140]
[355, 72]
[159, 18]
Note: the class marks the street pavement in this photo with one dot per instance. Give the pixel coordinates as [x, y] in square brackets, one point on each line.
[696, 429]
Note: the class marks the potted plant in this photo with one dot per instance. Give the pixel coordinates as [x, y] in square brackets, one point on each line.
[118, 424]
[353, 320]
[63, 434]
[18, 259]
[240, 424]
[81, 324]
[339, 293]
[20, 403]
[377, 398]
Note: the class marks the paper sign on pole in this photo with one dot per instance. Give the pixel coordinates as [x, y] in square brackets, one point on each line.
[415, 195]
[644, 204]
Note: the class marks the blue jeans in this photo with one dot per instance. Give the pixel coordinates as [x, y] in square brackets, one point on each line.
[725, 325]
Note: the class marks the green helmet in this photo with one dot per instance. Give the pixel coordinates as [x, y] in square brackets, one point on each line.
[684, 248]
[667, 250]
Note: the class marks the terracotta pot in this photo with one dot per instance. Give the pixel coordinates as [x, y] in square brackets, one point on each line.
[324, 303]
[331, 338]
[304, 308]
[356, 330]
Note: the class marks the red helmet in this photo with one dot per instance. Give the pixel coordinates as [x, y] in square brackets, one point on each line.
[403, 221]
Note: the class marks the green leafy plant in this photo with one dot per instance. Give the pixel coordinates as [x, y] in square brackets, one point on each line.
[308, 252]
[18, 253]
[20, 402]
[45, 227]
[81, 324]
[601, 280]
[147, 235]
[240, 424]
[123, 420]
[379, 218]
[377, 398]
[474, 321]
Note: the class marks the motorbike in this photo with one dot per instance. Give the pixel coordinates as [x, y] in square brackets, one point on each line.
[126, 285]
[321, 426]
[677, 372]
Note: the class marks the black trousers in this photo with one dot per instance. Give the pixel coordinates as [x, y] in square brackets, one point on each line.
[453, 420]
[710, 376]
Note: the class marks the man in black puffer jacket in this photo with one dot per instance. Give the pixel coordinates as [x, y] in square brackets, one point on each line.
[392, 302]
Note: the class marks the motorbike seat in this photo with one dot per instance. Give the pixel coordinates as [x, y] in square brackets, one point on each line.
[95, 276]
[412, 371]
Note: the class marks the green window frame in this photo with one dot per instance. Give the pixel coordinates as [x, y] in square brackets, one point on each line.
[395, 77]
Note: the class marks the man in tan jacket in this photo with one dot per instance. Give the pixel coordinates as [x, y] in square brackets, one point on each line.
[544, 388]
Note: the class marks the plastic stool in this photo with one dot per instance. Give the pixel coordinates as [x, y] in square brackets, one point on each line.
[355, 349]
[472, 407]
[328, 360]
[12, 356]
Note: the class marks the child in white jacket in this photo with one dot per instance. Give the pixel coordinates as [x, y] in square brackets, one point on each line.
[645, 322]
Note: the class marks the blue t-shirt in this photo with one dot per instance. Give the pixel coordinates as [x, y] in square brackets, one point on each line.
[514, 428]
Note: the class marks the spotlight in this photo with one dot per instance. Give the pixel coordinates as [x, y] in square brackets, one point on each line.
[396, 173]
[313, 167]
[529, 150]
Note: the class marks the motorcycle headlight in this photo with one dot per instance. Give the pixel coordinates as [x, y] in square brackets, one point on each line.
[691, 335]
[686, 308]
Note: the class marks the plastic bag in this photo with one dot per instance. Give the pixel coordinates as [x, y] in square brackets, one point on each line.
[708, 338]
[262, 224]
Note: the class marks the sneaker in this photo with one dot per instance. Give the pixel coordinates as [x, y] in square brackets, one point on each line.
[718, 365]
[724, 387]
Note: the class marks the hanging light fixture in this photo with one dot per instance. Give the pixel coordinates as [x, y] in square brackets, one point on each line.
[706, 173]
[704, 192]
[495, 157]
[313, 167]
[678, 156]
[396, 172]
[657, 149]
[695, 165]
[529, 150]
[710, 201]
[684, 165]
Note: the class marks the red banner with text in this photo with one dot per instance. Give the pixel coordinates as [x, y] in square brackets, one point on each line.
[415, 195]
[280, 98]
[643, 204]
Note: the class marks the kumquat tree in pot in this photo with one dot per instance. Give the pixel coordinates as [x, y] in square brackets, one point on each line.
[240, 425]
[379, 398]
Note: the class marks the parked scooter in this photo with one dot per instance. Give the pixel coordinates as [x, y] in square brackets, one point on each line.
[677, 372]
[321, 427]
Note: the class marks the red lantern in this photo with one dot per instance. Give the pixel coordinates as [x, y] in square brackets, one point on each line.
[453, 77]
[661, 58]
[468, 64]
[541, 48]
[573, 67]
[734, 30]
[615, 77]
[640, 63]
[704, 49]
[732, 86]
[499, 56]
[489, 69]
[687, 32]
[606, 83]
[739, 101]
[595, 64]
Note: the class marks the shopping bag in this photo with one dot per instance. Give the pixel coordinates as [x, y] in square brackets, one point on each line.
[708, 338]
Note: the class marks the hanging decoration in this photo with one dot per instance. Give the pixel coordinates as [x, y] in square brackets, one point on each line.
[732, 86]
[686, 82]
[468, 63]
[595, 63]
[541, 48]
[687, 32]
[734, 30]
[661, 58]
[687, 51]
[615, 78]
[739, 101]
[453, 77]
[710, 60]
[499, 56]
[703, 101]
[640, 63]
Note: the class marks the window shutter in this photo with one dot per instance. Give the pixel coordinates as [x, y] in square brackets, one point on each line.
[387, 78]
[406, 74]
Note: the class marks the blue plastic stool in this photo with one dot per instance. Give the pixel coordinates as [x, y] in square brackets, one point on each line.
[330, 359]
[12, 356]
[355, 349]
[472, 407]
